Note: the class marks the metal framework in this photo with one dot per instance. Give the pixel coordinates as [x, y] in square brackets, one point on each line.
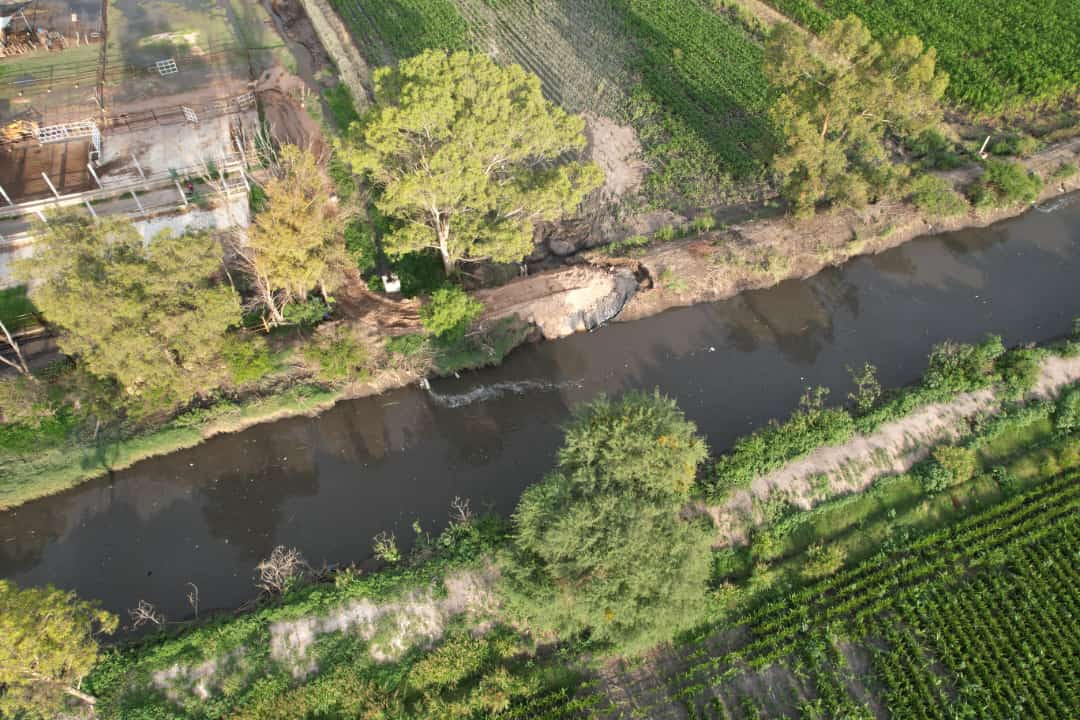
[65, 131]
[71, 131]
[167, 67]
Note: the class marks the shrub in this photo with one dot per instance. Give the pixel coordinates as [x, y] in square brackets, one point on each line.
[449, 313]
[248, 358]
[703, 223]
[336, 355]
[823, 561]
[307, 313]
[867, 388]
[406, 345]
[1019, 145]
[15, 308]
[360, 245]
[949, 466]
[730, 563]
[1019, 371]
[665, 234]
[955, 367]
[935, 196]
[384, 547]
[1005, 183]
[341, 104]
[1064, 171]
[808, 428]
[628, 246]
[935, 151]
[1067, 413]
[419, 273]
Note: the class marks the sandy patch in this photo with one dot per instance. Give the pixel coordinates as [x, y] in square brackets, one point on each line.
[893, 448]
[415, 620]
[616, 150]
[181, 681]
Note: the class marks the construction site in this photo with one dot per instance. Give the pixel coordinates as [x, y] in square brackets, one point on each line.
[148, 110]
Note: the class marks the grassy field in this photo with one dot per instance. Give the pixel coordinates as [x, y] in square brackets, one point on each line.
[1000, 54]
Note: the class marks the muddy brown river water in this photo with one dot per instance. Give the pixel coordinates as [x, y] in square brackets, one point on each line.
[327, 485]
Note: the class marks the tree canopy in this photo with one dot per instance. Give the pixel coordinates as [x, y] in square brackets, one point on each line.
[48, 647]
[296, 241]
[150, 315]
[838, 97]
[467, 155]
[604, 547]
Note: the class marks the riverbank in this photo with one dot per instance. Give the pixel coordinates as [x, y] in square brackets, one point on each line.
[444, 602]
[594, 289]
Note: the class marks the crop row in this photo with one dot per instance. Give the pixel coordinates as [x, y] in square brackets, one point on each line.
[386, 30]
[707, 71]
[1000, 54]
[998, 590]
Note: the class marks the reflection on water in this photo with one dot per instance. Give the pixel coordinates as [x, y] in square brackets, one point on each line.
[795, 315]
[327, 485]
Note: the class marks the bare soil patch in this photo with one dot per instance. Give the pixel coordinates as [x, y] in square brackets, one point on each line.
[283, 97]
[616, 150]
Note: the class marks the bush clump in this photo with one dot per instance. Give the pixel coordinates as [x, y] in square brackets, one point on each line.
[248, 358]
[957, 367]
[1019, 370]
[1018, 145]
[1067, 413]
[809, 427]
[935, 151]
[935, 196]
[1005, 183]
[822, 561]
[336, 355]
[949, 466]
[449, 313]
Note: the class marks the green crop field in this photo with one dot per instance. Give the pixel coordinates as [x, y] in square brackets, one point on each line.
[1000, 54]
[980, 619]
[688, 78]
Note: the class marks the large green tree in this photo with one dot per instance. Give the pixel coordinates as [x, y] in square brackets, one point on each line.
[296, 242]
[151, 315]
[48, 646]
[602, 544]
[468, 155]
[839, 97]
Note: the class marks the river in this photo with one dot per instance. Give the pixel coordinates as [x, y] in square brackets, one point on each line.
[327, 485]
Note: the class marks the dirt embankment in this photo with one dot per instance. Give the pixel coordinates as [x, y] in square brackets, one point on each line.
[893, 448]
[761, 253]
[565, 301]
[592, 289]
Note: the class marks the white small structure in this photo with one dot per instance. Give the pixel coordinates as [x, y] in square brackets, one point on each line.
[391, 283]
